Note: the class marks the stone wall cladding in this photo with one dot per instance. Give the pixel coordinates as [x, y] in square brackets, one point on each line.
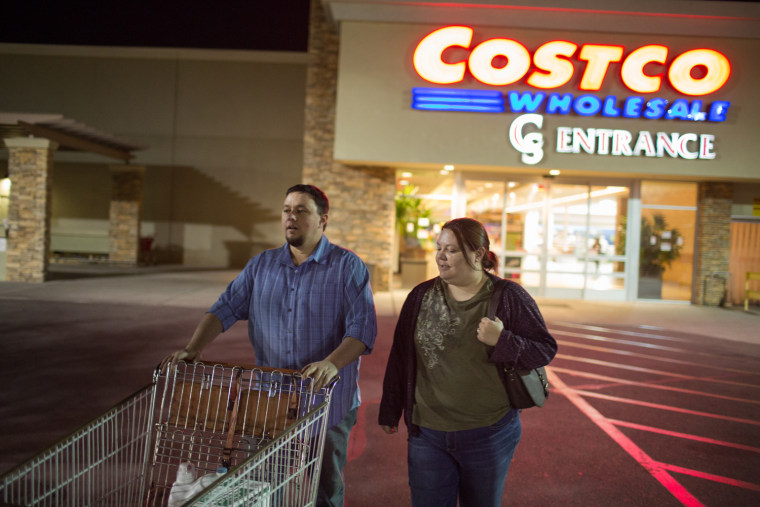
[361, 197]
[125, 214]
[29, 209]
[713, 243]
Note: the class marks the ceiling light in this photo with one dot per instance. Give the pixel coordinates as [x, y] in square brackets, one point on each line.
[448, 167]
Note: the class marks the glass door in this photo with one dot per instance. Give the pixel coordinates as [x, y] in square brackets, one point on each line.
[668, 217]
[586, 252]
[558, 240]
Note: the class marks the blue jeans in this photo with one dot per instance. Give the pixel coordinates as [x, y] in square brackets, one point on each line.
[470, 464]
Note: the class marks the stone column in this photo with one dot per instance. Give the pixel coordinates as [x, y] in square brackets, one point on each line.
[361, 198]
[30, 168]
[713, 249]
[125, 213]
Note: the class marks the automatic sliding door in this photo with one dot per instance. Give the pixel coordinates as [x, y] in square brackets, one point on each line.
[567, 241]
[586, 228]
[557, 240]
[512, 213]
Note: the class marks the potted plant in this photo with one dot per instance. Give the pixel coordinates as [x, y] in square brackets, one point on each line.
[412, 255]
[409, 210]
[660, 246]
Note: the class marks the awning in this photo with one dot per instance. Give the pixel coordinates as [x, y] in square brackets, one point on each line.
[69, 134]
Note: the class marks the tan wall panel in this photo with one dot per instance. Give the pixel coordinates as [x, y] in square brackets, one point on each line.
[745, 256]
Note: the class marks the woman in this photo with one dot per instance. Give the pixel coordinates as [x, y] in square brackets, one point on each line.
[445, 371]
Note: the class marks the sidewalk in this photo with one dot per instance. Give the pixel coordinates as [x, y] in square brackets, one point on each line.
[183, 287]
[731, 323]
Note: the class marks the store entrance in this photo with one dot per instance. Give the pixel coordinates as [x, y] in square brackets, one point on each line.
[559, 239]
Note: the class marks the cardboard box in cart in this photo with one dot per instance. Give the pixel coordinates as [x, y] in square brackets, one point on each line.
[253, 436]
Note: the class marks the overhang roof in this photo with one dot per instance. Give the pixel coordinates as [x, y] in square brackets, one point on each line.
[673, 17]
[69, 134]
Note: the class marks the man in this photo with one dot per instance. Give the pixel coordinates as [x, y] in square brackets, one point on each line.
[309, 307]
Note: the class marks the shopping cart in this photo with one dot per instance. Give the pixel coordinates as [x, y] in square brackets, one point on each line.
[200, 434]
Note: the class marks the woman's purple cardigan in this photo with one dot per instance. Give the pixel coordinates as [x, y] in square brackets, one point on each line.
[525, 343]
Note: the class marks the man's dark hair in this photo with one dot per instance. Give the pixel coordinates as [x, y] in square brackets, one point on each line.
[320, 199]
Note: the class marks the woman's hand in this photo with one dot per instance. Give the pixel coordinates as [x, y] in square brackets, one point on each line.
[389, 429]
[490, 330]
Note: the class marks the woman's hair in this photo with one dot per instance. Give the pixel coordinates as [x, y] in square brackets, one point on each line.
[471, 234]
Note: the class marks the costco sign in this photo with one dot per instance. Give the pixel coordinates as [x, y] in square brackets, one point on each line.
[447, 56]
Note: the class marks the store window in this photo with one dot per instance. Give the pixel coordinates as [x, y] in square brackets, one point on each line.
[557, 239]
[666, 258]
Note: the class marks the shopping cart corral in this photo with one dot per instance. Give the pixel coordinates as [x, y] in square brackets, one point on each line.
[200, 434]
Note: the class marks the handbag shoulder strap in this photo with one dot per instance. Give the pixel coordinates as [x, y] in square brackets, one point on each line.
[498, 288]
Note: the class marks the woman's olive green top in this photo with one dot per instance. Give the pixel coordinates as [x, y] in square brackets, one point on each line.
[457, 387]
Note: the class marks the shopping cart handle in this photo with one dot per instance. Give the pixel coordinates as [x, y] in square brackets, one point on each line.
[333, 382]
[266, 369]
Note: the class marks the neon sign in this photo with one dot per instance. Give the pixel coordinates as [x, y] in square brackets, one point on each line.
[531, 145]
[696, 72]
[446, 55]
[615, 142]
[492, 101]
[612, 107]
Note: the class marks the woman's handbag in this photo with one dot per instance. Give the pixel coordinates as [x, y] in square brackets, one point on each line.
[525, 388]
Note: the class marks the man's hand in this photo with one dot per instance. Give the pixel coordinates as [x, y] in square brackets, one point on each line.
[490, 330]
[180, 355]
[208, 329]
[321, 371]
[389, 429]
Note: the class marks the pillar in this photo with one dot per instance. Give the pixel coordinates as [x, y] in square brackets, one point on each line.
[713, 249]
[362, 198]
[125, 214]
[30, 169]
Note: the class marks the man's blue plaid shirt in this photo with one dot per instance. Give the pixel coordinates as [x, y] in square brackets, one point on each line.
[299, 314]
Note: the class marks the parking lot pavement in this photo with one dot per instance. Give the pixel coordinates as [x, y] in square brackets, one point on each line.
[652, 404]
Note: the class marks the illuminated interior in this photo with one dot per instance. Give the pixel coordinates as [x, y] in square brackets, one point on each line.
[562, 240]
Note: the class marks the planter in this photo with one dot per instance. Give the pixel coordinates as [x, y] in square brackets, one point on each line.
[413, 271]
[650, 287]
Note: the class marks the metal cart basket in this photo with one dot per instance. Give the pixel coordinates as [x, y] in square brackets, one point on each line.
[200, 434]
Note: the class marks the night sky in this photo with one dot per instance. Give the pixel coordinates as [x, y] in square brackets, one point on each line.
[276, 25]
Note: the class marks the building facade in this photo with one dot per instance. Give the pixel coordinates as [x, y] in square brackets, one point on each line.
[607, 149]
[606, 164]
